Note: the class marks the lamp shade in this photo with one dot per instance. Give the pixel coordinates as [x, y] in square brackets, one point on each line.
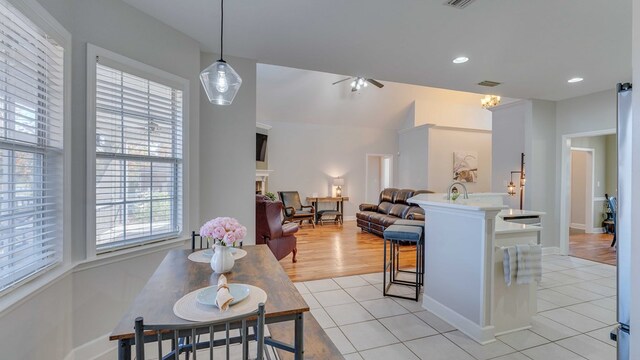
[338, 181]
[220, 82]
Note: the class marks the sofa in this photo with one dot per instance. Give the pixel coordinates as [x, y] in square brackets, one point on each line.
[392, 205]
[280, 238]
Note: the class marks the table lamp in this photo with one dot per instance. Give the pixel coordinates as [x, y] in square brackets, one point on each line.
[338, 183]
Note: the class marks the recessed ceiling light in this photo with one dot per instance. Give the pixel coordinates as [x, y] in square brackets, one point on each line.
[575, 80]
[460, 60]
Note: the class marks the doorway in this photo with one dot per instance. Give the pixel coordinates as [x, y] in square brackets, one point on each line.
[588, 176]
[379, 175]
[582, 164]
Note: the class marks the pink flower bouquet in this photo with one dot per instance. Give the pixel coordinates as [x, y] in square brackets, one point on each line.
[224, 231]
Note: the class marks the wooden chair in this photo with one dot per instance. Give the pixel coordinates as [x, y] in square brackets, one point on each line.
[294, 210]
[158, 333]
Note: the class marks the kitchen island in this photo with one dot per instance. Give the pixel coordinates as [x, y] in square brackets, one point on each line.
[464, 280]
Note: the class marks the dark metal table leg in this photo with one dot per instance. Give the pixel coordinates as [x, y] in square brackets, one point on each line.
[298, 340]
[124, 349]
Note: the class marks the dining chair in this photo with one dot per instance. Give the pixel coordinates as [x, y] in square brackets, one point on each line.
[158, 333]
[195, 236]
[613, 205]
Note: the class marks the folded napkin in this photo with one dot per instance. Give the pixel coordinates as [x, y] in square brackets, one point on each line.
[223, 296]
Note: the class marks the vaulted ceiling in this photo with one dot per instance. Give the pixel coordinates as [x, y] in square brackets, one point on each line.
[531, 47]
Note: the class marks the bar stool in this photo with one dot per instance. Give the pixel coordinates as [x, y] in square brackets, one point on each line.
[395, 234]
[419, 223]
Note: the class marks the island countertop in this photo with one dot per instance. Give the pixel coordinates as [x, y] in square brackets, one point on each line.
[507, 227]
[474, 203]
[519, 213]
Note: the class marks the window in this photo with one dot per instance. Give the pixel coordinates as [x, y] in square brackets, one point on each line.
[31, 156]
[138, 158]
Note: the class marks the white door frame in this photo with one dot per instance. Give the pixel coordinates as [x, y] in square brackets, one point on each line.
[590, 193]
[565, 183]
[366, 170]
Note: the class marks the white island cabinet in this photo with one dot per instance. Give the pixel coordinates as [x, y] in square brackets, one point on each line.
[464, 280]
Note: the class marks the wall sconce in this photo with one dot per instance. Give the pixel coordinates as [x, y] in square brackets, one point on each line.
[338, 183]
[511, 188]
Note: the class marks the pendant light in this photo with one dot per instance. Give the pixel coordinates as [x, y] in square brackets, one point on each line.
[220, 81]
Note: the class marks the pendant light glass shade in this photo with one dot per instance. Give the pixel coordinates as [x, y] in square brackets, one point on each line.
[220, 82]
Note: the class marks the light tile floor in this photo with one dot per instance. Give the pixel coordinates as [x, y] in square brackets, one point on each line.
[576, 312]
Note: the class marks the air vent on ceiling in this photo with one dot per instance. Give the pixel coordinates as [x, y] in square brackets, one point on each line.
[459, 4]
[489, 83]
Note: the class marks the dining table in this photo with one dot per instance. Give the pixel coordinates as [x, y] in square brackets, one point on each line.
[177, 276]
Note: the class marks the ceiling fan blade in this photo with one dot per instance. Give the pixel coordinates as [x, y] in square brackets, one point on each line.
[375, 83]
[339, 81]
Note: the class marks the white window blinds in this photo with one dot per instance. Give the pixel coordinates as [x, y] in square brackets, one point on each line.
[138, 159]
[31, 119]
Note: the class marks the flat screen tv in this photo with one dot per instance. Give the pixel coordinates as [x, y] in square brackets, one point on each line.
[261, 146]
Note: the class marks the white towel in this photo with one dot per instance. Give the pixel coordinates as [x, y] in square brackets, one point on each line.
[529, 266]
[509, 263]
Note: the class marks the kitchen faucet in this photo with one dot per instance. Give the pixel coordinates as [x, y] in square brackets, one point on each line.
[464, 188]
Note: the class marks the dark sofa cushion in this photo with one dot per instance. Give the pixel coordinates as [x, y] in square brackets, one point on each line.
[401, 196]
[384, 207]
[399, 210]
[414, 213]
[387, 195]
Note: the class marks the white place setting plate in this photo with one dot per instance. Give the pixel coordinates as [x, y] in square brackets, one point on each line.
[189, 308]
[204, 256]
[207, 296]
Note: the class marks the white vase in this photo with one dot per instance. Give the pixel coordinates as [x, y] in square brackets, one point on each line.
[222, 260]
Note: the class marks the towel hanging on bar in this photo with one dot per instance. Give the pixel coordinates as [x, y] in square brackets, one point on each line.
[509, 263]
[529, 264]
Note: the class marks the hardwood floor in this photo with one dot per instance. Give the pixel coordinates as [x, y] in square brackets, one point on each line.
[595, 247]
[334, 250]
[339, 250]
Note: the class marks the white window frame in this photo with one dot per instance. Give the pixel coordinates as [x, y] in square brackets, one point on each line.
[151, 73]
[31, 284]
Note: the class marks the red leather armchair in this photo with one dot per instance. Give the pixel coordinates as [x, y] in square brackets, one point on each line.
[270, 230]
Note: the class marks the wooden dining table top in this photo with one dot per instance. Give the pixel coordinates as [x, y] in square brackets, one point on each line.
[177, 276]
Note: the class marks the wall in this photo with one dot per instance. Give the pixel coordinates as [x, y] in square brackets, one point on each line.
[578, 188]
[374, 174]
[228, 147]
[413, 159]
[442, 144]
[540, 149]
[508, 140]
[611, 165]
[306, 158]
[73, 310]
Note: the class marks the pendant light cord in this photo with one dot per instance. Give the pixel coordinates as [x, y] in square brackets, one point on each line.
[221, 29]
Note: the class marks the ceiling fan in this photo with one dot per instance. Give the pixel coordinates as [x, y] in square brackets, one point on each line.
[360, 82]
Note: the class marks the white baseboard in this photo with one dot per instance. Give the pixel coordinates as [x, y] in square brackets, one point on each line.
[93, 349]
[350, 218]
[577, 226]
[596, 230]
[482, 335]
[551, 250]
